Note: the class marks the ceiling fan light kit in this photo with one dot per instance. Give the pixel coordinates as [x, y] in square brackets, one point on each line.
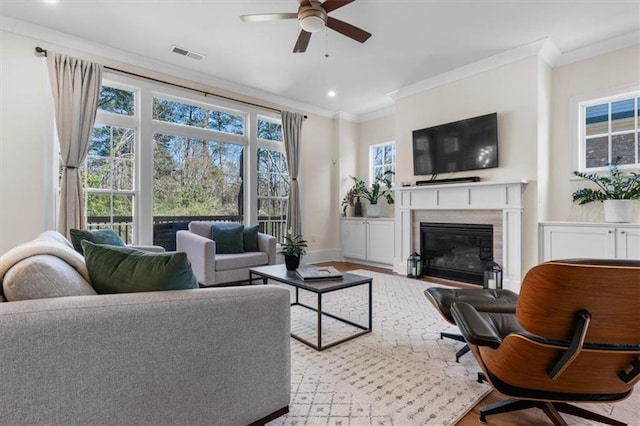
[312, 16]
[312, 20]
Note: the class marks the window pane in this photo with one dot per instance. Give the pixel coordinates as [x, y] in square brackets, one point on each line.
[98, 173]
[99, 208]
[100, 141]
[623, 147]
[378, 153]
[123, 142]
[191, 115]
[597, 119]
[269, 131]
[388, 154]
[116, 101]
[597, 152]
[197, 178]
[123, 174]
[377, 173]
[622, 117]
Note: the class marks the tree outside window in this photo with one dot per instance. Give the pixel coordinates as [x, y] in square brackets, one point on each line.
[382, 159]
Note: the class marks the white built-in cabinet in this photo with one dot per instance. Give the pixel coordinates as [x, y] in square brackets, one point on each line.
[566, 240]
[368, 239]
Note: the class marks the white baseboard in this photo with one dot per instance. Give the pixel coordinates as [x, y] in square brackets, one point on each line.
[317, 256]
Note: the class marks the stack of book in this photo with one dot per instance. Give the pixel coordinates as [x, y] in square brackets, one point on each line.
[309, 273]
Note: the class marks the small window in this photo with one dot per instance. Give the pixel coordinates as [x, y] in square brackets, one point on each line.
[269, 130]
[382, 160]
[116, 101]
[609, 132]
[197, 116]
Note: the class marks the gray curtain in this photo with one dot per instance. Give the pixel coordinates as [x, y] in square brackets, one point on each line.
[292, 134]
[76, 85]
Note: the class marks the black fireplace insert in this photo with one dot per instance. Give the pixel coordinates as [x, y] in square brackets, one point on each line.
[456, 251]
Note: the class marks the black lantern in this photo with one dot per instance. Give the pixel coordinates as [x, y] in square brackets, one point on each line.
[492, 276]
[414, 266]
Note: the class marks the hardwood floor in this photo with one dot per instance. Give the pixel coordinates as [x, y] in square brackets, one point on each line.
[524, 417]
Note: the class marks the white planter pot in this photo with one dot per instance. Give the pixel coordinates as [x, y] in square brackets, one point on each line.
[618, 210]
[373, 210]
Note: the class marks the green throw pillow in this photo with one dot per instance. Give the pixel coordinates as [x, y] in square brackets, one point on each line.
[127, 270]
[250, 236]
[100, 236]
[228, 238]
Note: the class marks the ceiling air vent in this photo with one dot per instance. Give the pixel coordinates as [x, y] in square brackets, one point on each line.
[188, 53]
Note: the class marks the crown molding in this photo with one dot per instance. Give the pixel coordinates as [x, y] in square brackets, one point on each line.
[46, 37]
[381, 113]
[343, 115]
[600, 48]
[545, 49]
[469, 70]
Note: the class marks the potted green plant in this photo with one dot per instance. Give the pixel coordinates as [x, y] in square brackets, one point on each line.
[293, 248]
[350, 200]
[617, 191]
[375, 192]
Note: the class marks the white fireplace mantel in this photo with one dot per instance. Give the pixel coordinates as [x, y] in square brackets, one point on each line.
[505, 196]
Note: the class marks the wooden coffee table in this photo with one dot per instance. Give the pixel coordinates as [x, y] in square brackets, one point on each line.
[280, 274]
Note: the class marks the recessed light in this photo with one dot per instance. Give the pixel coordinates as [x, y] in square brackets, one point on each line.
[331, 93]
[51, 1]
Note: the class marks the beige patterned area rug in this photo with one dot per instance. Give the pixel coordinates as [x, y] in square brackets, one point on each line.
[399, 374]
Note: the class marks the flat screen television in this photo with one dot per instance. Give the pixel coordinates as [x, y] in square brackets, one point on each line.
[469, 144]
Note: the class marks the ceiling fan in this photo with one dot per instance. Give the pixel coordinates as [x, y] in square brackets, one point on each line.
[313, 17]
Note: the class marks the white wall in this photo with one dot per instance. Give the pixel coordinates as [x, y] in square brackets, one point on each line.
[27, 178]
[25, 151]
[512, 92]
[593, 77]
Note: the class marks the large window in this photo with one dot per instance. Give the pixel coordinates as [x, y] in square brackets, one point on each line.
[160, 158]
[109, 172]
[609, 132]
[382, 161]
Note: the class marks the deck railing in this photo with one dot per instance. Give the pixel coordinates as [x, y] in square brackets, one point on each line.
[165, 227]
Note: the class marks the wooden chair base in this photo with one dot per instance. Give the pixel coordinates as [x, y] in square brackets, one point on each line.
[551, 409]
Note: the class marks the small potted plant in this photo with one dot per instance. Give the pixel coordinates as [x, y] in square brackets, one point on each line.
[293, 248]
[349, 200]
[617, 191]
[374, 193]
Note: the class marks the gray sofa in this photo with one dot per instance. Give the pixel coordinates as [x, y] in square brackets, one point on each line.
[218, 356]
[215, 269]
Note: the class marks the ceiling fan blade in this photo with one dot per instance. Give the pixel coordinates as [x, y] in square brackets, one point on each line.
[260, 17]
[330, 5]
[348, 29]
[302, 42]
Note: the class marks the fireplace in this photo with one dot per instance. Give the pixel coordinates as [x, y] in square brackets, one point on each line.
[456, 251]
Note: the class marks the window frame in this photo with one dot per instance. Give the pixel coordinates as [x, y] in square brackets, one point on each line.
[578, 111]
[271, 145]
[372, 165]
[146, 126]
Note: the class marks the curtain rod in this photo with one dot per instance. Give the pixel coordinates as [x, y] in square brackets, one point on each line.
[43, 52]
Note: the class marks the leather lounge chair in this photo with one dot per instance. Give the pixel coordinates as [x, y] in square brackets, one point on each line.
[578, 339]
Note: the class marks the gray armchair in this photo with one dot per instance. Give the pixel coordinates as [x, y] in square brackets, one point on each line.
[216, 269]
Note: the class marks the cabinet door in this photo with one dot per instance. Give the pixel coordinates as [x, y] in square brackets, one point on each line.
[380, 243]
[628, 243]
[354, 239]
[567, 242]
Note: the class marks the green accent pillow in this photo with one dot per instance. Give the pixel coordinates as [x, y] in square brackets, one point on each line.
[228, 238]
[100, 236]
[250, 236]
[127, 270]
